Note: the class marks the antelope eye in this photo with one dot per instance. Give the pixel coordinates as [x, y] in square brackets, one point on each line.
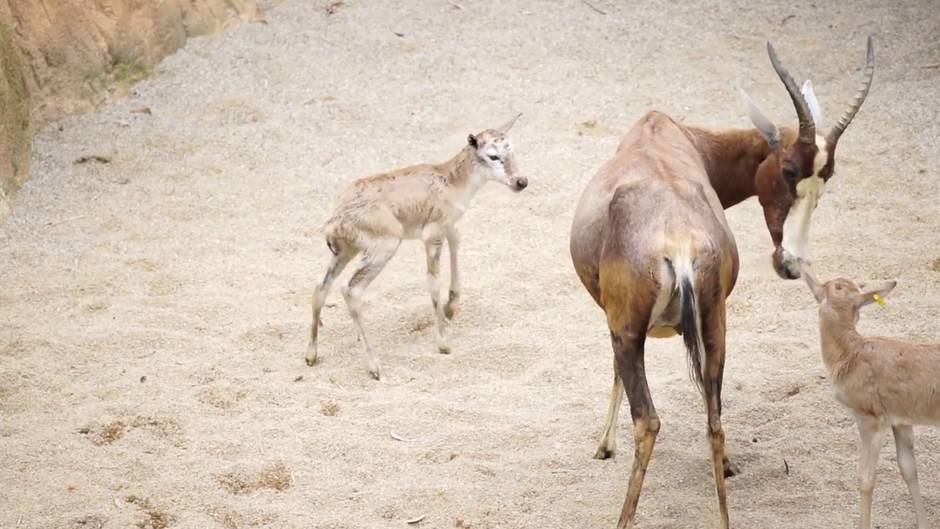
[494, 157]
[789, 173]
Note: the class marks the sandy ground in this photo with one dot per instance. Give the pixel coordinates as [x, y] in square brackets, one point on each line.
[155, 308]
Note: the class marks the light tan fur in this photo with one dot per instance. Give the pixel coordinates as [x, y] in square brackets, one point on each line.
[425, 201]
[885, 382]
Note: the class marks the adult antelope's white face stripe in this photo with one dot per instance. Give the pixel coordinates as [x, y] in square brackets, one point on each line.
[808, 190]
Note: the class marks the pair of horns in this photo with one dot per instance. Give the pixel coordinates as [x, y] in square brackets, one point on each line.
[807, 126]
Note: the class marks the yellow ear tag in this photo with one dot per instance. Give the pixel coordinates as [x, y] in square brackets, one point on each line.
[878, 299]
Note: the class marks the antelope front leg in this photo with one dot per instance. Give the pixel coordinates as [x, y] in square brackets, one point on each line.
[453, 298]
[904, 440]
[872, 435]
[433, 244]
[607, 444]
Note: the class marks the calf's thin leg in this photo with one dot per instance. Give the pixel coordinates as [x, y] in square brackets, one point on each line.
[872, 435]
[337, 264]
[433, 243]
[607, 444]
[373, 261]
[628, 351]
[904, 440]
[453, 298]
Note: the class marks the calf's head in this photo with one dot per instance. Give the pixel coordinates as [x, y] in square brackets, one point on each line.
[493, 153]
[844, 296]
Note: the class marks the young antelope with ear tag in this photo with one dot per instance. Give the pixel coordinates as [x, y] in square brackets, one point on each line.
[885, 382]
[419, 202]
[651, 245]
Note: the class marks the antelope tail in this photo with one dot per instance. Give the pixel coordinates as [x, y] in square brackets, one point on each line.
[690, 322]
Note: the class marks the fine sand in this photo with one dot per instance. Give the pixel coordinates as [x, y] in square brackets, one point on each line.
[154, 309]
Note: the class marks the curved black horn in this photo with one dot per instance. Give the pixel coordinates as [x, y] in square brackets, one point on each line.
[807, 127]
[833, 137]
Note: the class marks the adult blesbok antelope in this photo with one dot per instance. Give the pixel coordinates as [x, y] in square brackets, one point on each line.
[651, 244]
[885, 382]
[418, 202]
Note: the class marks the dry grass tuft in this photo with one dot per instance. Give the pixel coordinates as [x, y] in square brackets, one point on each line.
[231, 519]
[154, 518]
[91, 521]
[275, 477]
[329, 408]
[108, 433]
[221, 398]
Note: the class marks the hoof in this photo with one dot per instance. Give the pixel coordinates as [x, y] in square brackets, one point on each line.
[452, 307]
[376, 375]
[311, 357]
[443, 349]
[731, 469]
[603, 453]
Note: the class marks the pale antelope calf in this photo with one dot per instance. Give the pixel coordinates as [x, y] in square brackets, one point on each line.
[884, 382]
[418, 202]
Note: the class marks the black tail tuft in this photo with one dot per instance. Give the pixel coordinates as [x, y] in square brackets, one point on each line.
[690, 331]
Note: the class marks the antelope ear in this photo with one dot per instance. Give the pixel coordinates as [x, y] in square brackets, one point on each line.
[877, 292]
[766, 128]
[504, 128]
[819, 291]
[814, 108]
[472, 141]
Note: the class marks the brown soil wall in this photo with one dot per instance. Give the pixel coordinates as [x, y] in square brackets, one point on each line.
[59, 57]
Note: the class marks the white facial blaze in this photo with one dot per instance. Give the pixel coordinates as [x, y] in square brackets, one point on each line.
[501, 149]
[808, 191]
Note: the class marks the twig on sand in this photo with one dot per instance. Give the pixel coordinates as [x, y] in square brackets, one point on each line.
[787, 19]
[397, 34]
[933, 66]
[397, 437]
[417, 520]
[455, 4]
[786, 466]
[595, 8]
[63, 221]
[93, 158]
[151, 353]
